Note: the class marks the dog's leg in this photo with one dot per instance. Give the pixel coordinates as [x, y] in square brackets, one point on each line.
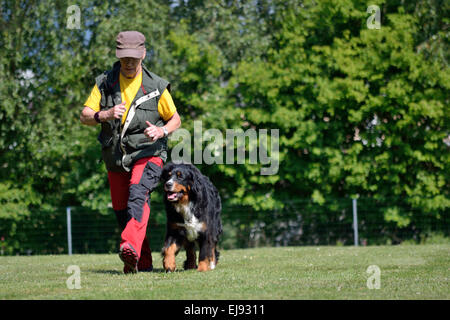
[206, 256]
[190, 262]
[215, 254]
[170, 250]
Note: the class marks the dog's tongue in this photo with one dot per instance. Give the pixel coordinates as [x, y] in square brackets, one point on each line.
[172, 195]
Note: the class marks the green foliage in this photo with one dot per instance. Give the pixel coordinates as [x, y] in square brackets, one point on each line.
[15, 201]
[360, 111]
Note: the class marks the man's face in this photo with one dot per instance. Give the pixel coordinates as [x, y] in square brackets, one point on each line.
[130, 66]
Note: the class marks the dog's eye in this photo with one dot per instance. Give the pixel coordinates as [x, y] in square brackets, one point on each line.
[178, 174]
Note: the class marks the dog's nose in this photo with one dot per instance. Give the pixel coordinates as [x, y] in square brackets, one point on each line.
[168, 184]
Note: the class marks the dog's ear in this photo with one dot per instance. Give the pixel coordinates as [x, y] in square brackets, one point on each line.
[196, 188]
[165, 172]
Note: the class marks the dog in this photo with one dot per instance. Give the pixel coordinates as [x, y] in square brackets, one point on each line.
[193, 208]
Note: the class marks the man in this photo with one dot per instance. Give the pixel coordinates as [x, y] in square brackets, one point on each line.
[136, 113]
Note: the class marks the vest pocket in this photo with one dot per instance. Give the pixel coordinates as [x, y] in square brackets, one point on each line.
[148, 105]
[137, 141]
[111, 153]
[105, 141]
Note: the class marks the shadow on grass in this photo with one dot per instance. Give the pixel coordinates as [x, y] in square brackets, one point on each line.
[118, 272]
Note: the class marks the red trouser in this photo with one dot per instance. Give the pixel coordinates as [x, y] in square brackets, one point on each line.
[130, 195]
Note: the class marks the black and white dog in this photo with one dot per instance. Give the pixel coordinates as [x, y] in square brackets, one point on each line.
[193, 209]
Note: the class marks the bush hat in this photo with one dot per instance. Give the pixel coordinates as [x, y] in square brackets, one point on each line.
[130, 44]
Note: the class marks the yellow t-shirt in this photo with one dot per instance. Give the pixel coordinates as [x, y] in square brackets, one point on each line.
[128, 90]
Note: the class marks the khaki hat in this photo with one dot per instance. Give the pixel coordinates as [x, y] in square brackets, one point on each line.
[130, 44]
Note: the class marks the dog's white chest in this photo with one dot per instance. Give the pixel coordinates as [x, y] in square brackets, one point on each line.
[191, 223]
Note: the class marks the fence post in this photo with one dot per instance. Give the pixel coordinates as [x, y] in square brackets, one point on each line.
[355, 222]
[69, 230]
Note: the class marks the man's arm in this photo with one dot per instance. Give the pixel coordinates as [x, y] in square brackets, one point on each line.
[87, 114]
[174, 123]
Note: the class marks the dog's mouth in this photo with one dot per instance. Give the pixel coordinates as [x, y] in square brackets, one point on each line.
[174, 196]
[175, 192]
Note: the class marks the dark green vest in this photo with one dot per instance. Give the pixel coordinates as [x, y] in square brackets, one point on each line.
[123, 144]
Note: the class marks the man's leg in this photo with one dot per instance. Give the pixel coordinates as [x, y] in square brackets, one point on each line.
[119, 188]
[145, 261]
[119, 183]
[144, 179]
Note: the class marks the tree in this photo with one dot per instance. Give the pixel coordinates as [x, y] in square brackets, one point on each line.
[360, 111]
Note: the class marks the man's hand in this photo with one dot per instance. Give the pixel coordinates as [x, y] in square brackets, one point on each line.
[153, 132]
[116, 112]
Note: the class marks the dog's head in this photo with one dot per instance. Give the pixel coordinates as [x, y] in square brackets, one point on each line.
[178, 181]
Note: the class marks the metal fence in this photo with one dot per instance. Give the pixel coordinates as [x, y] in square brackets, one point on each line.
[299, 222]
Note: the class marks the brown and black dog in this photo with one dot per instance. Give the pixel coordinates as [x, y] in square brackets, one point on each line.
[193, 208]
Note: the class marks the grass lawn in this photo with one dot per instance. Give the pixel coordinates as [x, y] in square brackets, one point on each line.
[407, 272]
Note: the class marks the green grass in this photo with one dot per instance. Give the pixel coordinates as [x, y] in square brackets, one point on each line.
[407, 272]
